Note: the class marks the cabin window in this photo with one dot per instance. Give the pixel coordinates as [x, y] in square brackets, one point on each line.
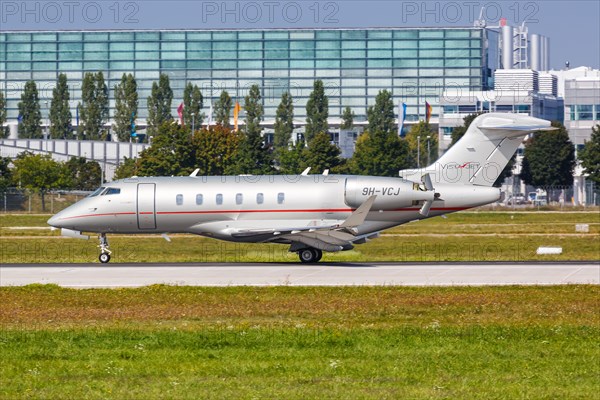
[260, 198]
[280, 198]
[239, 199]
[179, 199]
[199, 199]
[112, 191]
[219, 199]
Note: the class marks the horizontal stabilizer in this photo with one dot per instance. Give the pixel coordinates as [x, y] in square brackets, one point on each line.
[519, 128]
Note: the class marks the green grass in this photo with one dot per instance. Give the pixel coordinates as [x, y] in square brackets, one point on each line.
[466, 236]
[197, 249]
[284, 342]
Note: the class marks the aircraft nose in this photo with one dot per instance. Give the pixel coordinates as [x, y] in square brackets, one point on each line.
[56, 220]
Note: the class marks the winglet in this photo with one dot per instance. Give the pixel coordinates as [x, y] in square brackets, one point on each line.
[359, 215]
[195, 173]
[305, 172]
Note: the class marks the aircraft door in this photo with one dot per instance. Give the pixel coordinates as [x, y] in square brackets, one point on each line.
[146, 205]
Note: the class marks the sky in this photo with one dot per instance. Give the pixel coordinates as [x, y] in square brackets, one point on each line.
[572, 26]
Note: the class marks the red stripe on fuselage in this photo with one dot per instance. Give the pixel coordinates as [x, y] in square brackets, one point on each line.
[254, 211]
[348, 210]
[99, 215]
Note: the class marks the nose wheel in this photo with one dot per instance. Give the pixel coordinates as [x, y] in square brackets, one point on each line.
[104, 250]
[310, 255]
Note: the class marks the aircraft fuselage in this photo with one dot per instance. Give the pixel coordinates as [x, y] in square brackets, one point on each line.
[226, 207]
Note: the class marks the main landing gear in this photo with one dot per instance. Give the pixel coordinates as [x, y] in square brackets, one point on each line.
[104, 251]
[310, 255]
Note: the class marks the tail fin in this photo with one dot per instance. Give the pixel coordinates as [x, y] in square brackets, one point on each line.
[481, 154]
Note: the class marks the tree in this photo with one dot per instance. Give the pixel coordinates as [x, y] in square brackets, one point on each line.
[317, 112]
[253, 157]
[417, 144]
[174, 152]
[549, 159]
[2, 115]
[283, 127]
[5, 173]
[590, 156]
[60, 111]
[83, 174]
[223, 109]
[39, 173]
[94, 106]
[192, 105]
[291, 160]
[379, 154]
[381, 115]
[380, 151]
[171, 153]
[284, 122]
[216, 150]
[30, 126]
[128, 168]
[321, 154]
[347, 119]
[159, 104]
[126, 107]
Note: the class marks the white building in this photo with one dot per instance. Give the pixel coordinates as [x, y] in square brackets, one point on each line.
[548, 83]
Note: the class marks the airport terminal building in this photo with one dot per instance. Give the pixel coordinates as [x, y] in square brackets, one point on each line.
[416, 64]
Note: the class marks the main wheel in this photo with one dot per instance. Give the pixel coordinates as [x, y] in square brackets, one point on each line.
[319, 255]
[104, 258]
[308, 256]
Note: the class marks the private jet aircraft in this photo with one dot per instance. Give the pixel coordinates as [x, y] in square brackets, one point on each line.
[310, 213]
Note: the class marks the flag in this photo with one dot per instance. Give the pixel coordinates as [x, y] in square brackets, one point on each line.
[180, 113]
[401, 117]
[427, 112]
[236, 113]
[20, 118]
[133, 132]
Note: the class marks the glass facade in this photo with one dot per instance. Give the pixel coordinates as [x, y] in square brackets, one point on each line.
[414, 64]
[585, 112]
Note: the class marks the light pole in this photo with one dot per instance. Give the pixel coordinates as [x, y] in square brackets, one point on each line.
[418, 151]
[193, 122]
[47, 125]
[428, 152]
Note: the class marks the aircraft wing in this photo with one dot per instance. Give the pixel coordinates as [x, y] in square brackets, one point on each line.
[334, 237]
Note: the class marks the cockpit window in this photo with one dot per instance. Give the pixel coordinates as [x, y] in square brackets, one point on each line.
[97, 192]
[112, 191]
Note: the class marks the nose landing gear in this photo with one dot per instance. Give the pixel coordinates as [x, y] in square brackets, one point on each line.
[310, 255]
[104, 250]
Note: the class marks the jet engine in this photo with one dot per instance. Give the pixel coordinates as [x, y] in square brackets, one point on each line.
[392, 193]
